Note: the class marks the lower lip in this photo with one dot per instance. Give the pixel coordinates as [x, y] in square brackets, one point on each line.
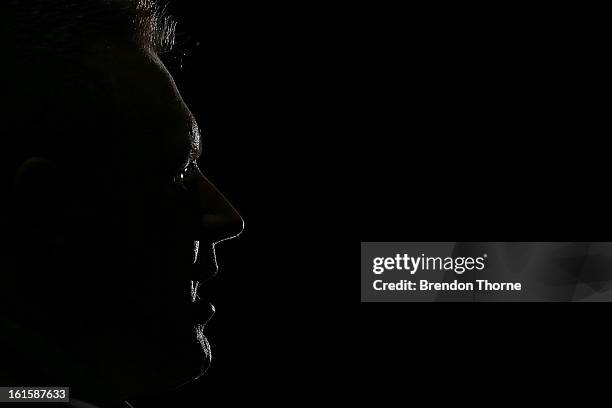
[203, 312]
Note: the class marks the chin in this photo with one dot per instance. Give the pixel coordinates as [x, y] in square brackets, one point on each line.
[190, 360]
[206, 350]
[170, 362]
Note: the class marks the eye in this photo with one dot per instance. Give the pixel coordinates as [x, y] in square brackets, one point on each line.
[180, 178]
[183, 176]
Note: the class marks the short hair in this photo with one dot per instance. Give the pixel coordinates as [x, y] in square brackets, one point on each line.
[42, 27]
[49, 86]
[46, 69]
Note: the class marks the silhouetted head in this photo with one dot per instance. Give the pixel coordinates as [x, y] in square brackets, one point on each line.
[108, 224]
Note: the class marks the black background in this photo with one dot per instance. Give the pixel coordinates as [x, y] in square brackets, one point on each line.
[487, 125]
[484, 124]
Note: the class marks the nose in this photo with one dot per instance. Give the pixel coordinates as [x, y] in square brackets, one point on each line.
[219, 219]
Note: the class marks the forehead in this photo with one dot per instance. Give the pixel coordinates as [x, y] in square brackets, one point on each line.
[155, 128]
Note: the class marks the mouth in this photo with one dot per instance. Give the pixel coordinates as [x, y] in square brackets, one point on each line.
[207, 314]
[202, 311]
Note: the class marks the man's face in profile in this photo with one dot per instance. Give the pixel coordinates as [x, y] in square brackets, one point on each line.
[123, 242]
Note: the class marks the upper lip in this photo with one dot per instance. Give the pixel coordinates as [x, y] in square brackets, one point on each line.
[205, 266]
